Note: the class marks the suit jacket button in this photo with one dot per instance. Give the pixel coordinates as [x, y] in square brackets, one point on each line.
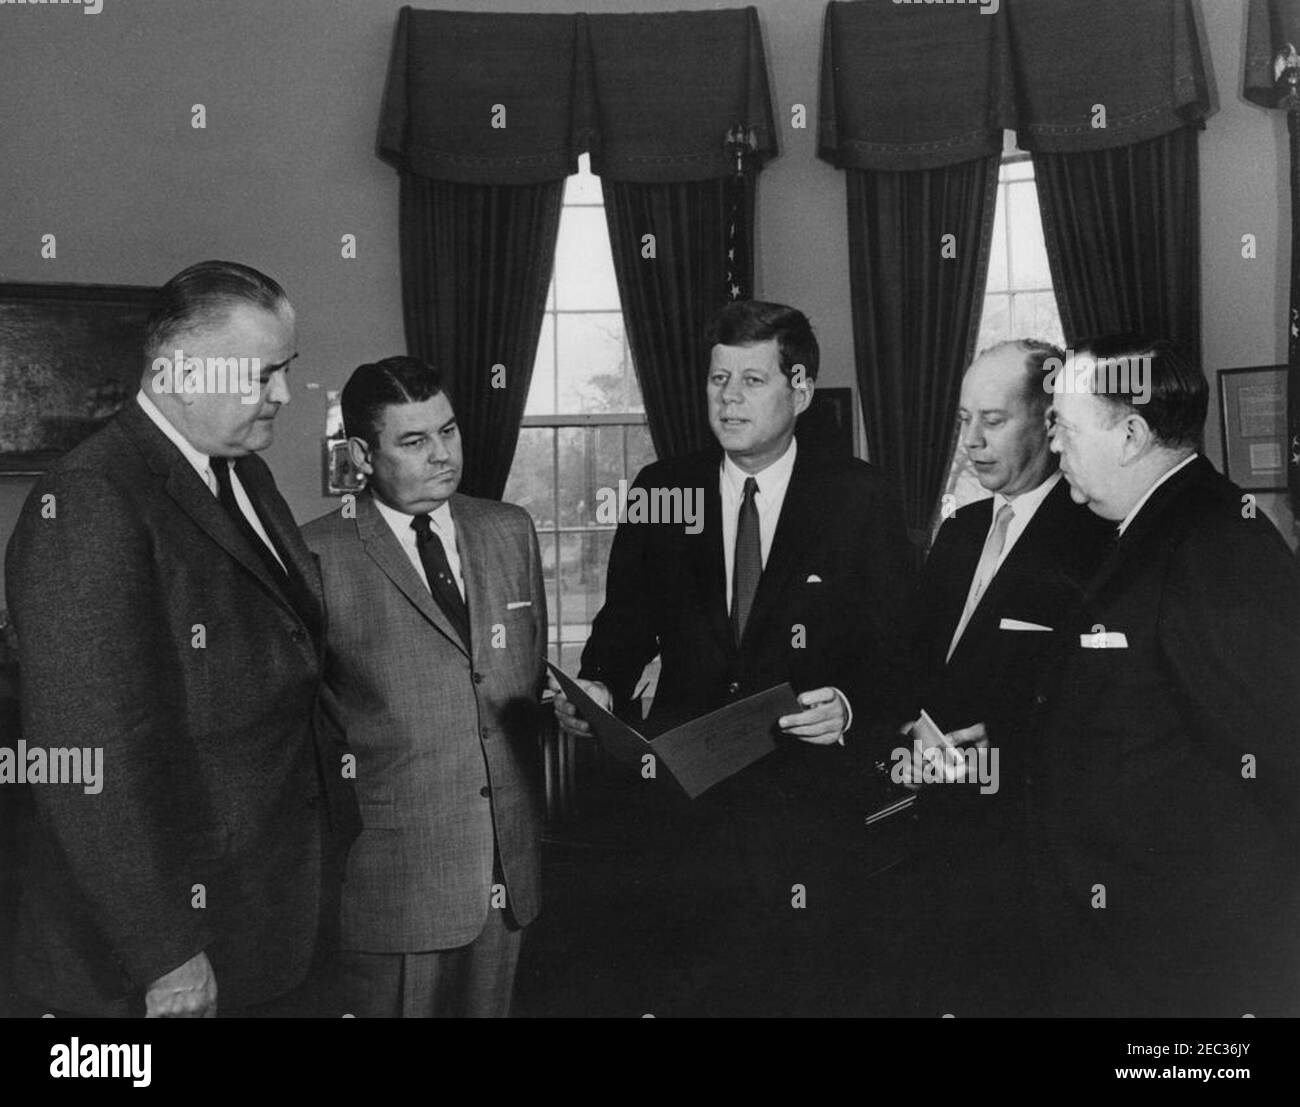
[485, 791]
[1040, 699]
[297, 636]
[733, 687]
[478, 678]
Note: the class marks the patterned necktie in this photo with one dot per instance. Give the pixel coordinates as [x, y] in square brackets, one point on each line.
[438, 569]
[748, 564]
[994, 544]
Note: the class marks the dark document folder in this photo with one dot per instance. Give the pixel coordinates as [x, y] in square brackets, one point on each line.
[698, 754]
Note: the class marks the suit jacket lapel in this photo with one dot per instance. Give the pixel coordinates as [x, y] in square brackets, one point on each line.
[195, 498]
[707, 561]
[974, 528]
[473, 571]
[382, 547]
[274, 513]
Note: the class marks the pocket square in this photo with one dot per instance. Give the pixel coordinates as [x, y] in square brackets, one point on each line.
[1104, 640]
[518, 603]
[1020, 624]
[813, 578]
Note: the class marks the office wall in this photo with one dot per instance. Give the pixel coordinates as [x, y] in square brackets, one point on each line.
[96, 147]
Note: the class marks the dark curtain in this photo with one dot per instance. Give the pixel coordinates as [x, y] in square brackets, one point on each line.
[1123, 238]
[669, 299]
[916, 313]
[476, 264]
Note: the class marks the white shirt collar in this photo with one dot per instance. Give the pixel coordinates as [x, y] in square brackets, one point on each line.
[771, 480]
[197, 458]
[1150, 491]
[1027, 503]
[400, 521]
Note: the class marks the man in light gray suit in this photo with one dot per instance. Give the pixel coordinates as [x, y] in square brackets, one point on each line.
[434, 669]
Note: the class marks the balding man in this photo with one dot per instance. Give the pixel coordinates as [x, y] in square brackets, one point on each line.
[1166, 773]
[1002, 574]
[169, 615]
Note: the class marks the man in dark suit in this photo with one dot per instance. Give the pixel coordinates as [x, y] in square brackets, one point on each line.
[1002, 574]
[436, 645]
[1166, 771]
[798, 573]
[168, 612]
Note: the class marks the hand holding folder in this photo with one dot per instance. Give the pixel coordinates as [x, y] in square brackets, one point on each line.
[700, 753]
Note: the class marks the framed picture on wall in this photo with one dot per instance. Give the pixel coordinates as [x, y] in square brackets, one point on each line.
[1252, 418]
[70, 358]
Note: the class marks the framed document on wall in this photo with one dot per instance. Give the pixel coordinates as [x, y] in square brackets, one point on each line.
[1252, 418]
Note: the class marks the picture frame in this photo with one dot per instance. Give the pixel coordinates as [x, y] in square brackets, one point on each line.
[71, 355]
[341, 476]
[1253, 425]
[828, 422]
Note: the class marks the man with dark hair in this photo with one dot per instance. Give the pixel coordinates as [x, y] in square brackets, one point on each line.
[168, 613]
[798, 573]
[1166, 767]
[1002, 574]
[436, 644]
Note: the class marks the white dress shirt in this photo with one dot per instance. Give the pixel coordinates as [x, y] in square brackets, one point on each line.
[443, 525]
[1147, 495]
[202, 465]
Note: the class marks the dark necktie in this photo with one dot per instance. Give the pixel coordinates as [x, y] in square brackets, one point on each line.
[438, 569]
[748, 564]
[226, 495]
[281, 569]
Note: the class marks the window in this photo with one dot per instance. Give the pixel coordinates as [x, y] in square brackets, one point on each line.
[1018, 299]
[584, 424]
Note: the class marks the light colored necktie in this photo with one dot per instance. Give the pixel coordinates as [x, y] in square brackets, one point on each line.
[994, 544]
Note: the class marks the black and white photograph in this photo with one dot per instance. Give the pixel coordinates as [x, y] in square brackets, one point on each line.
[658, 509]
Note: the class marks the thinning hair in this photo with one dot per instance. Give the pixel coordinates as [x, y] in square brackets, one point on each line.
[1176, 398]
[745, 322]
[380, 384]
[1037, 353]
[201, 296]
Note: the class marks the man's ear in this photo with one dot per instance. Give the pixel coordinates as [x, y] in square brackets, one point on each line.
[359, 452]
[1137, 440]
[803, 387]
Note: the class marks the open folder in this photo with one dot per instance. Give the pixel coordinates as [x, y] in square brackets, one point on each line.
[698, 754]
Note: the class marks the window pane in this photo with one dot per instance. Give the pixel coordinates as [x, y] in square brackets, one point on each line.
[1020, 170]
[640, 450]
[592, 370]
[998, 251]
[541, 390]
[576, 478]
[546, 540]
[995, 323]
[584, 264]
[608, 461]
[1036, 317]
[531, 484]
[1029, 267]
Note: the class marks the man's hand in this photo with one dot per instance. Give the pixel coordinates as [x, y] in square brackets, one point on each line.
[951, 760]
[189, 991]
[823, 722]
[567, 715]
